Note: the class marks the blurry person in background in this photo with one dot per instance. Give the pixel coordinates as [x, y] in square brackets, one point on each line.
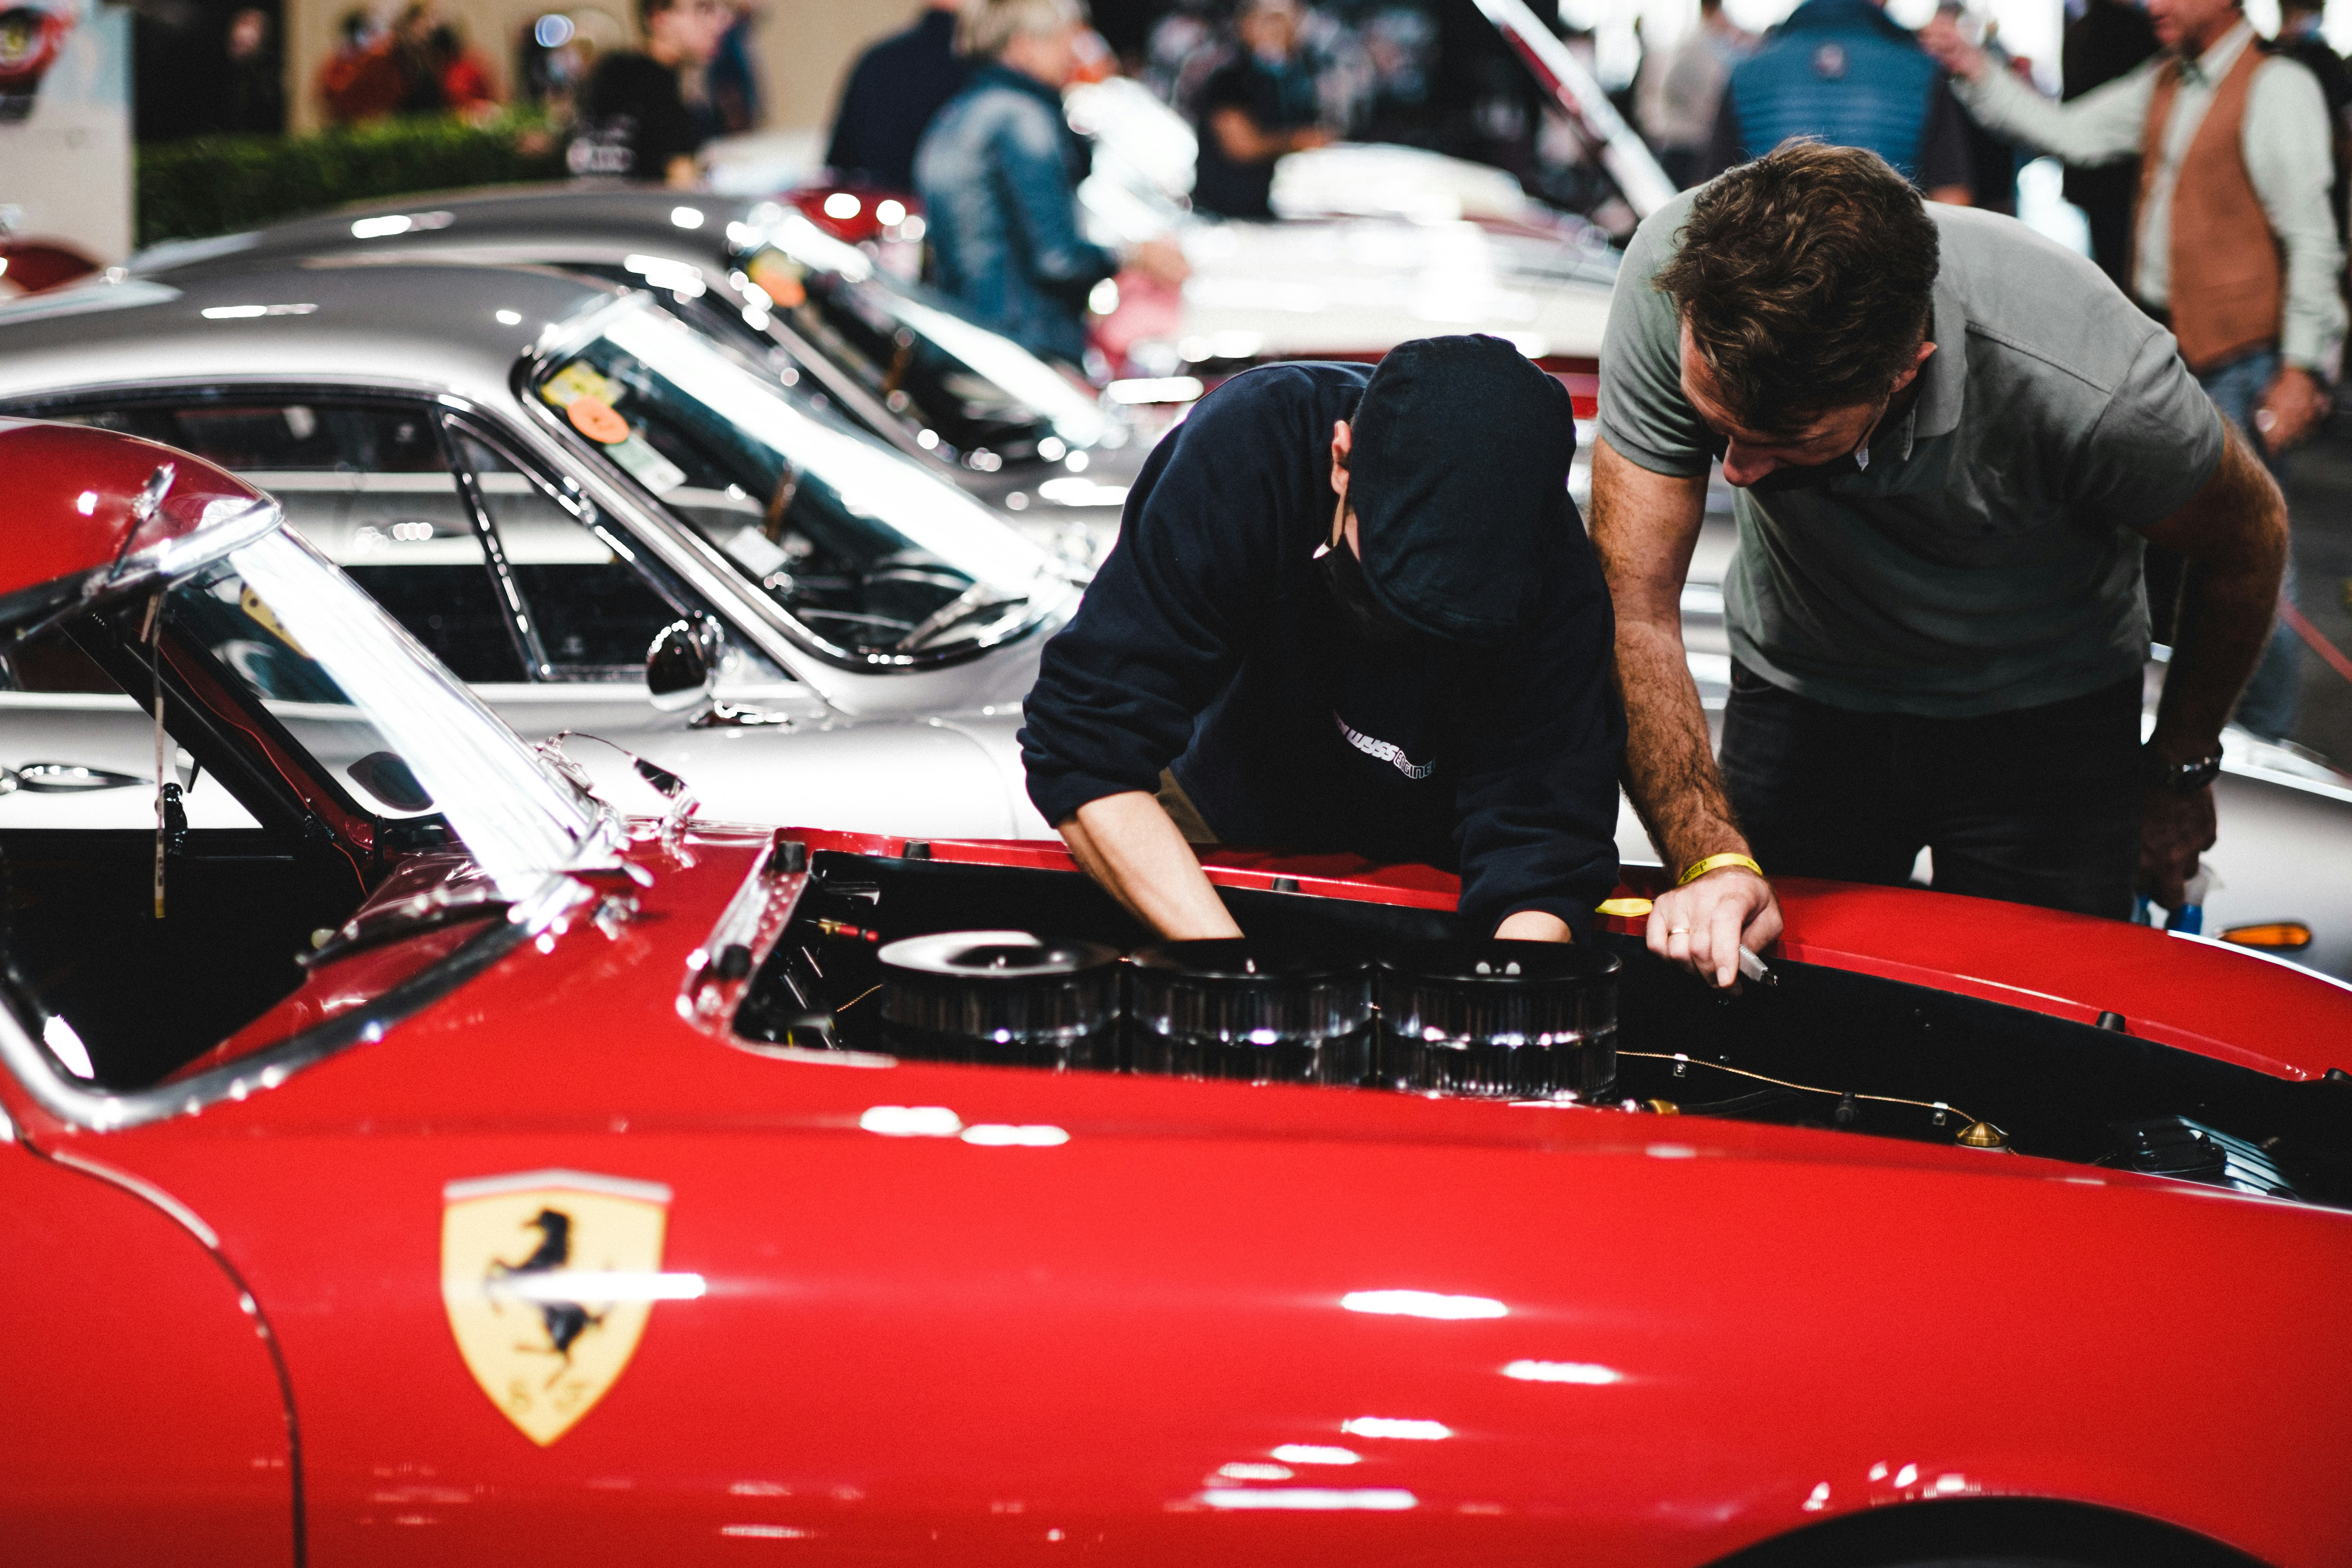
[731, 85]
[1182, 50]
[997, 172]
[361, 81]
[2300, 39]
[634, 121]
[1680, 89]
[551, 60]
[1400, 52]
[1255, 110]
[1844, 71]
[2107, 40]
[255, 92]
[892, 91]
[420, 67]
[2234, 247]
[466, 86]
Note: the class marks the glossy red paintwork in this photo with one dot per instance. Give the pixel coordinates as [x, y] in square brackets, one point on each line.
[71, 492]
[143, 1412]
[1020, 1348]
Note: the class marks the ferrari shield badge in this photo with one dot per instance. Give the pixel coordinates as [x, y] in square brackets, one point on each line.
[549, 1277]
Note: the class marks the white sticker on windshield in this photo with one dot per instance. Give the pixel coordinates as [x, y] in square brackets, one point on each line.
[653, 470]
[756, 552]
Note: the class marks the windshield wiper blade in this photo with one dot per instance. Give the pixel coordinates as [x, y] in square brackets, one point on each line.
[977, 600]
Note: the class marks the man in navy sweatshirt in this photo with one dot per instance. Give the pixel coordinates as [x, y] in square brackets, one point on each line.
[1349, 610]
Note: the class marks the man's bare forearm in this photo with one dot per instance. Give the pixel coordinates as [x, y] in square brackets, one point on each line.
[1670, 771]
[1127, 843]
[1644, 526]
[2234, 535]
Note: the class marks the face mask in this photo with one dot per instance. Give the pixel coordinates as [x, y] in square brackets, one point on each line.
[1343, 574]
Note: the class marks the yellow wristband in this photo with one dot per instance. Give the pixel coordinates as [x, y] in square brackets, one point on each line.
[1717, 863]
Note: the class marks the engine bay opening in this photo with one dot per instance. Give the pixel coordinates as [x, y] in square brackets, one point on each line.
[1822, 1048]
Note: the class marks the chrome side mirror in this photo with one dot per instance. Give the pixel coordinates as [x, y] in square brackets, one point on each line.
[679, 672]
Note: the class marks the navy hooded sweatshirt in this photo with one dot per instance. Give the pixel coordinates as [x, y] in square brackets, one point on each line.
[1210, 644]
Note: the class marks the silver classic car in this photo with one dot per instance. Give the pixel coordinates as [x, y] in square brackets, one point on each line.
[908, 367]
[537, 474]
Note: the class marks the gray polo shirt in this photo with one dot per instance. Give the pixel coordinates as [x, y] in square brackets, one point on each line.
[1986, 559]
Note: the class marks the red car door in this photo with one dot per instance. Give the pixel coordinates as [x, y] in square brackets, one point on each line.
[142, 1419]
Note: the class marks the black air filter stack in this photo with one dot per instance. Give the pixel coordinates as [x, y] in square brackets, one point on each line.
[1521, 1020]
[1005, 997]
[1249, 1010]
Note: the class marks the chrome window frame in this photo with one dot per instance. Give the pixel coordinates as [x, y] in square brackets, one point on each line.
[569, 338]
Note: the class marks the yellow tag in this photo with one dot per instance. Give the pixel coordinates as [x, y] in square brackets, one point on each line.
[1625, 908]
[548, 1279]
[579, 379]
[252, 605]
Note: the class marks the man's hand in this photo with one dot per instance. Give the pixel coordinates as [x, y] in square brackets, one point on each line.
[1702, 926]
[2174, 829]
[2290, 410]
[1942, 38]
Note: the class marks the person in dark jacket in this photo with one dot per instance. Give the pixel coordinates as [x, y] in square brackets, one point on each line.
[1254, 109]
[892, 91]
[634, 118]
[1349, 611]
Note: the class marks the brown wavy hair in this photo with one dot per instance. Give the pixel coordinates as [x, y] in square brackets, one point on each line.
[1805, 278]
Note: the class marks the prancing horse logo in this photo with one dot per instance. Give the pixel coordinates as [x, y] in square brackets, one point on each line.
[548, 1279]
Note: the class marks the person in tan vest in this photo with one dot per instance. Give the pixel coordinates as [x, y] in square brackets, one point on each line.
[2234, 244]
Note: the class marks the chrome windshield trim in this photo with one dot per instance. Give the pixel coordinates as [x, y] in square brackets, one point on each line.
[673, 531]
[106, 1111]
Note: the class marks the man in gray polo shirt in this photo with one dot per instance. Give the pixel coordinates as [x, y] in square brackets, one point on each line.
[1949, 438]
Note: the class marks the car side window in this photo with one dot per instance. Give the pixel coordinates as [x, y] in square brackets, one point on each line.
[596, 607]
[369, 484]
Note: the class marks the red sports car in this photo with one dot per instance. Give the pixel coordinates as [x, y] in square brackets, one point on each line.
[449, 1170]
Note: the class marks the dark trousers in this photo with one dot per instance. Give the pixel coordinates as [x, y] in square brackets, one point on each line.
[2040, 806]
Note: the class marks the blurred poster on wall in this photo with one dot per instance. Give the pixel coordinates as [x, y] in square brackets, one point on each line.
[64, 123]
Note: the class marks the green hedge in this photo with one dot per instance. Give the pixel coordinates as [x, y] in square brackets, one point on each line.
[221, 185]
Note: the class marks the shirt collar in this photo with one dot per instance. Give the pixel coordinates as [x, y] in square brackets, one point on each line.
[2214, 64]
[1942, 380]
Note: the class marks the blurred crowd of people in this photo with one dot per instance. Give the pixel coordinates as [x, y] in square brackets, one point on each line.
[635, 112]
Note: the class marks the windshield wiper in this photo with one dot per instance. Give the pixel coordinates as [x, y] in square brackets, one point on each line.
[977, 600]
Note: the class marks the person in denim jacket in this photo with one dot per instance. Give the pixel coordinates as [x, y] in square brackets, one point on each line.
[995, 175]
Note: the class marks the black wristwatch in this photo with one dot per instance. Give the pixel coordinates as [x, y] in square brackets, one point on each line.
[2180, 778]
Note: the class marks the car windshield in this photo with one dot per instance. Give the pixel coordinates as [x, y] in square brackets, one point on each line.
[976, 394]
[378, 714]
[878, 560]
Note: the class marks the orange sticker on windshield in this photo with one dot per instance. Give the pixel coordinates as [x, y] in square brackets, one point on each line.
[596, 419]
[779, 279]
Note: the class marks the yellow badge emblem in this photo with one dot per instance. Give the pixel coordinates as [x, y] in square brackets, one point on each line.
[549, 1277]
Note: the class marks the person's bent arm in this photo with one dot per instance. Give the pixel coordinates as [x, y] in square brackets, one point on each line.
[1245, 142]
[2102, 126]
[2233, 534]
[1127, 843]
[1644, 526]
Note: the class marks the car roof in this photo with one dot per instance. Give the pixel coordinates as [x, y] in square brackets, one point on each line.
[599, 215]
[438, 326]
[73, 500]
